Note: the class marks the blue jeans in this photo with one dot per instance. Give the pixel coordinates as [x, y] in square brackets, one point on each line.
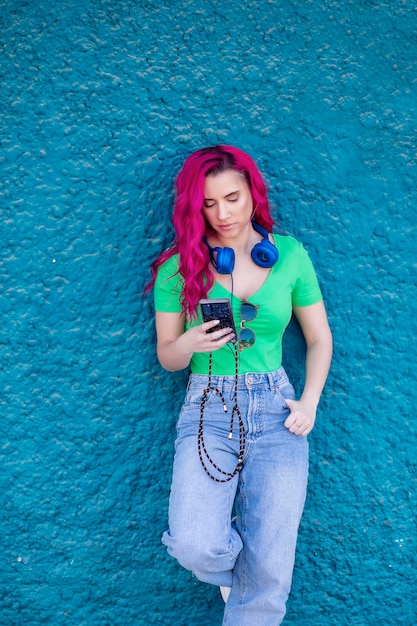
[253, 553]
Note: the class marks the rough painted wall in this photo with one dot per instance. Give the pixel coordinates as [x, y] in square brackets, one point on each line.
[101, 102]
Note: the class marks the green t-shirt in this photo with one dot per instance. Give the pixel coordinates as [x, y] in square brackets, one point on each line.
[291, 282]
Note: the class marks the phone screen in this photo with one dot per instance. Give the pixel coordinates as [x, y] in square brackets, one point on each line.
[218, 309]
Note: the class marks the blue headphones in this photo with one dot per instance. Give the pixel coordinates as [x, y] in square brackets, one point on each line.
[264, 253]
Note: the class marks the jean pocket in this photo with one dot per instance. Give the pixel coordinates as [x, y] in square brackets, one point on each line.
[284, 390]
[194, 397]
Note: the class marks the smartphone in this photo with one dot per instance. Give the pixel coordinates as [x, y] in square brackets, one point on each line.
[218, 309]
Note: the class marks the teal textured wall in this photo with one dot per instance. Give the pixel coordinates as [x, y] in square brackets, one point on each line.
[101, 102]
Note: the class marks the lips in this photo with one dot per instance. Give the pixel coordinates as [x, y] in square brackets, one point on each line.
[226, 227]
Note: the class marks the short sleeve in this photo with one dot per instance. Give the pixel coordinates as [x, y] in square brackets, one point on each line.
[307, 290]
[168, 287]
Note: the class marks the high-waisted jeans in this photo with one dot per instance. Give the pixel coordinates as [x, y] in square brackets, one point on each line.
[242, 533]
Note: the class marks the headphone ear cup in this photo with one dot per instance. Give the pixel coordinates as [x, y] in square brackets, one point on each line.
[225, 260]
[265, 254]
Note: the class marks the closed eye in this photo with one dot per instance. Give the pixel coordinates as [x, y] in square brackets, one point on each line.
[230, 197]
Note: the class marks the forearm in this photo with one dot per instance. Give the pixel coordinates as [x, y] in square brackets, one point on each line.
[175, 347]
[318, 358]
[174, 355]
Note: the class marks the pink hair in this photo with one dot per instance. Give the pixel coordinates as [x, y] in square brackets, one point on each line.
[189, 222]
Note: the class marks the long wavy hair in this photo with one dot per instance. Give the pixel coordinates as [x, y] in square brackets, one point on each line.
[190, 224]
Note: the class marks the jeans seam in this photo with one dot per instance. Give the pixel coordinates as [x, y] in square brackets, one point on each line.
[243, 557]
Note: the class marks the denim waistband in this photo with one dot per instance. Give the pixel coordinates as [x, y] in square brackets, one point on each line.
[251, 380]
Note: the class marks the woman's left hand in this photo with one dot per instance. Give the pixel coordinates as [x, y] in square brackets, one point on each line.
[301, 418]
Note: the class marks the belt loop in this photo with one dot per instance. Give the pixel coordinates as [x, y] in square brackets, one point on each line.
[271, 381]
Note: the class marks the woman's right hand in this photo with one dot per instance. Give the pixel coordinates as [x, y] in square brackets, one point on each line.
[198, 339]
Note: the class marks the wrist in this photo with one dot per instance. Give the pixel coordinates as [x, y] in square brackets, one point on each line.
[310, 398]
[182, 346]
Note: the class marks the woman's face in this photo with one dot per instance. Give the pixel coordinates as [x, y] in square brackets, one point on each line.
[228, 204]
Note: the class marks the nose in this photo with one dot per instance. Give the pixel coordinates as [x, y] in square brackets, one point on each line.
[223, 212]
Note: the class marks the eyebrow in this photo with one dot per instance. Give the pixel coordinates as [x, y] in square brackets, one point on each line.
[232, 193]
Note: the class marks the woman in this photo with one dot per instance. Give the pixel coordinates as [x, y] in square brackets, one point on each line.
[241, 461]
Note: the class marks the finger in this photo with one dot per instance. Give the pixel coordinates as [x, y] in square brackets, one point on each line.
[210, 341]
[296, 430]
[290, 403]
[295, 424]
[292, 425]
[215, 344]
[292, 417]
[301, 428]
[219, 334]
[211, 324]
